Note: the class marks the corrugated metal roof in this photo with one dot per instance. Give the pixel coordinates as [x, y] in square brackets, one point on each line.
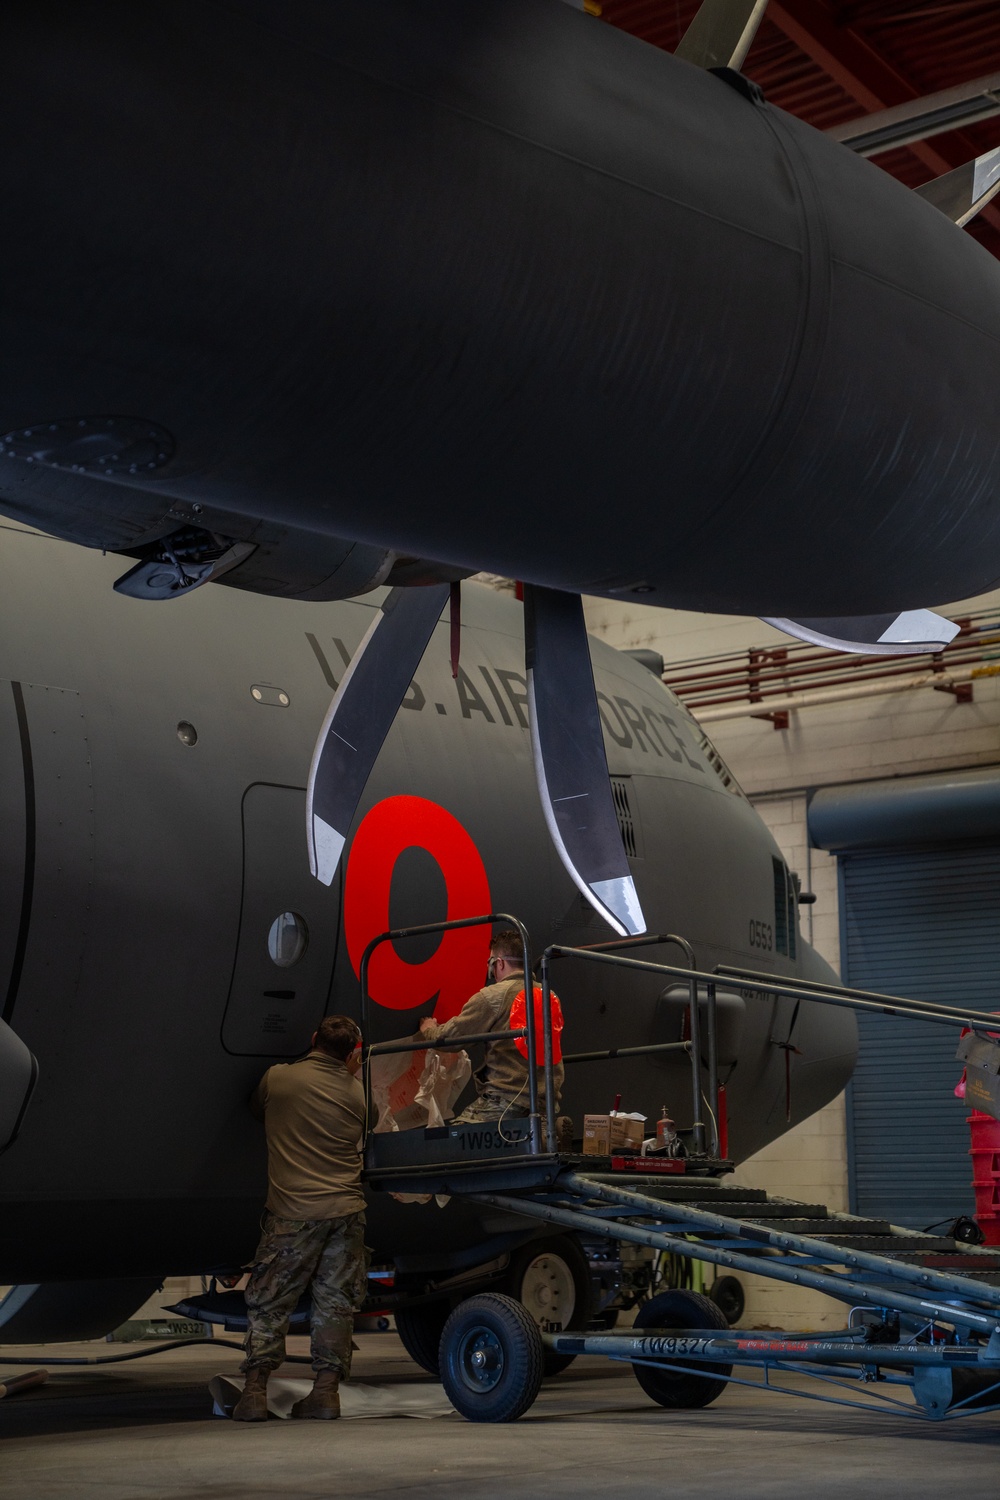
[829, 61]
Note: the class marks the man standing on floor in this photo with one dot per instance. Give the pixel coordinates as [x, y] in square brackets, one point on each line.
[314, 1224]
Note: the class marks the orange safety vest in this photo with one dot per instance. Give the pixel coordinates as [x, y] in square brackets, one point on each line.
[518, 1018]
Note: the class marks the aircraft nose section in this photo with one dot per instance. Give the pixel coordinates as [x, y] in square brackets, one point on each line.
[826, 1035]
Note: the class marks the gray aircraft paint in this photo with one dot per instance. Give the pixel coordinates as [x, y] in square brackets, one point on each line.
[142, 976]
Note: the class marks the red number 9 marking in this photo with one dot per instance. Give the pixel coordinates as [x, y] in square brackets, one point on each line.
[456, 969]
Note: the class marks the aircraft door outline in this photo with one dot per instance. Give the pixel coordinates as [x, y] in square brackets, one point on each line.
[273, 1007]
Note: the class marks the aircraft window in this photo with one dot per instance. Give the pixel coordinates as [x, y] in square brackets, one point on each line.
[287, 939]
[271, 696]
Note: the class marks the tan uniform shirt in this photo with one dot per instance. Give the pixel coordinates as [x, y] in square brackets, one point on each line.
[489, 1010]
[314, 1120]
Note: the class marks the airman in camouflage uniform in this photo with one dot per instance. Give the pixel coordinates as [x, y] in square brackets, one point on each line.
[313, 1229]
[329, 1257]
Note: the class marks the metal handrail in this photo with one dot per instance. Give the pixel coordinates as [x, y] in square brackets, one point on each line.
[615, 953]
[612, 952]
[778, 984]
[619, 945]
[733, 971]
[490, 919]
[861, 1000]
[762, 983]
[385, 1049]
[613, 1052]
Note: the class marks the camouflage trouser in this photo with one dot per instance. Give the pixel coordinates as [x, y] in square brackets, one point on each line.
[491, 1105]
[330, 1258]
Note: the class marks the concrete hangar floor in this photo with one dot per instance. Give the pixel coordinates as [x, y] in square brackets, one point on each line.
[145, 1429]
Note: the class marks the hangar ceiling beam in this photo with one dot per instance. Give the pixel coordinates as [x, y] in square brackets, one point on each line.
[865, 74]
[919, 119]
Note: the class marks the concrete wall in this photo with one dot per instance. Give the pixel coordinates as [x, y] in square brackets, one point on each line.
[899, 734]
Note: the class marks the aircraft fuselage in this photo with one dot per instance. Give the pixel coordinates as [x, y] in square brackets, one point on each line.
[153, 806]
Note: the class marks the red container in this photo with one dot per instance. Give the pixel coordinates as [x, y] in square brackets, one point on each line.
[985, 1165]
[985, 1131]
[987, 1198]
[985, 1153]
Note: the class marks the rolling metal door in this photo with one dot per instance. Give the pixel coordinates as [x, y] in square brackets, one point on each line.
[921, 922]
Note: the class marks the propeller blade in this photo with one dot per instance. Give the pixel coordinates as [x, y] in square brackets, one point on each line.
[570, 763]
[721, 33]
[910, 633]
[361, 716]
[961, 194]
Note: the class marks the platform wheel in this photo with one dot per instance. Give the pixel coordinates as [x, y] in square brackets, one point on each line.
[491, 1358]
[728, 1295]
[551, 1279]
[687, 1312]
[420, 1330]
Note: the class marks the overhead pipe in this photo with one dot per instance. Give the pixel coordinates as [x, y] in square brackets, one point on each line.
[745, 710]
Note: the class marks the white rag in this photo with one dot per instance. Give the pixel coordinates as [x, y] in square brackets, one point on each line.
[414, 1400]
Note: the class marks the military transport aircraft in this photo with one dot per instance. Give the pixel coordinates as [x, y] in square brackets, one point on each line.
[299, 296]
[162, 941]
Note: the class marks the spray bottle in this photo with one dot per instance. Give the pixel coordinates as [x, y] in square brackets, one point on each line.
[666, 1133]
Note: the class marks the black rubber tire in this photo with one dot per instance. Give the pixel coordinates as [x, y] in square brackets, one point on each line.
[688, 1312]
[503, 1337]
[727, 1294]
[567, 1248]
[420, 1330]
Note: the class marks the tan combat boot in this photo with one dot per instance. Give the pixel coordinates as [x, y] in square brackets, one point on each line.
[252, 1405]
[323, 1401]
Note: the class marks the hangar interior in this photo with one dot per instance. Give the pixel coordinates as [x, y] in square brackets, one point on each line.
[878, 778]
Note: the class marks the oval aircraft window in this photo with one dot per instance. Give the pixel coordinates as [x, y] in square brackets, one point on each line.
[287, 939]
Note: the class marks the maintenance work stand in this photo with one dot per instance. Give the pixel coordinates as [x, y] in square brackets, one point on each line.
[923, 1334]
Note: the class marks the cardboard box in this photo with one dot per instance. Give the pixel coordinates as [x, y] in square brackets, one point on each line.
[603, 1134]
